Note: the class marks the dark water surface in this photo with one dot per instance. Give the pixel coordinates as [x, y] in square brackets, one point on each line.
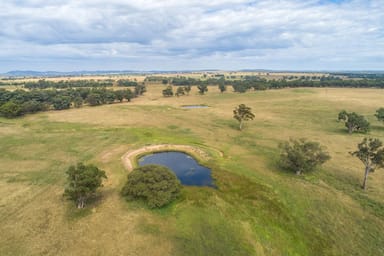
[186, 168]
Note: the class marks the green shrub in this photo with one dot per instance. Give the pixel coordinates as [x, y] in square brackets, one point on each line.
[156, 185]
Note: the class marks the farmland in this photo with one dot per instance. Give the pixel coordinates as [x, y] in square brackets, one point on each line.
[258, 209]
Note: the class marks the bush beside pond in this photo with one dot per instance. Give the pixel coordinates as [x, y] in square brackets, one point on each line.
[156, 185]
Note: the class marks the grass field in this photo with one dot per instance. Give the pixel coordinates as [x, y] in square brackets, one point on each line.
[257, 210]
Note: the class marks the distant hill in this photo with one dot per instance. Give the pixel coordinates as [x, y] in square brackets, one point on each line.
[31, 73]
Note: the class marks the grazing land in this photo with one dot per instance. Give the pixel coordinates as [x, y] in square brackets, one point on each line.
[258, 209]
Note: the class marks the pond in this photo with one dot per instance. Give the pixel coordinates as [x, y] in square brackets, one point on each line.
[194, 106]
[186, 168]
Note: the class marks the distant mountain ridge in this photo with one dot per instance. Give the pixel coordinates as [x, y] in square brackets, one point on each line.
[32, 73]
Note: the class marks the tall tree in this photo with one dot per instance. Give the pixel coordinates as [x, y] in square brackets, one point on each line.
[243, 113]
[354, 122]
[371, 153]
[83, 181]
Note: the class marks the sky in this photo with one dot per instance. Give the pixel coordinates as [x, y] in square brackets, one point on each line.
[143, 35]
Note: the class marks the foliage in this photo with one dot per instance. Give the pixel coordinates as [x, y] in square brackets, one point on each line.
[180, 91]
[63, 84]
[94, 99]
[371, 153]
[154, 184]
[168, 92]
[126, 83]
[187, 89]
[61, 102]
[11, 109]
[354, 122]
[380, 114]
[41, 100]
[243, 113]
[128, 95]
[83, 181]
[302, 155]
[203, 88]
[222, 86]
[140, 89]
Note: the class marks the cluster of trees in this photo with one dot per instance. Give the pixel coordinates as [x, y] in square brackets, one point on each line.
[126, 83]
[256, 83]
[180, 91]
[358, 123]
[263, 84]
[64, 84]
[354, 122]
[155, 185]
[20, 102]
[301, 155]
[44, 84]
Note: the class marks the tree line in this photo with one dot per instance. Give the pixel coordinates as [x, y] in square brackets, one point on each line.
[248, 83]
[21, 102]
[64, 84]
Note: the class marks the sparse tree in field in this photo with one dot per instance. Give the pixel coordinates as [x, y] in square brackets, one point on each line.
[83, 181]
[156, 185]
[222, 86]
[168, 92]
[187, 89]
[371, 153]
[180, 91]
[380, 114]
[302, 155]
[140, 89]
[243, 113]
[354, 122]
[203, 88]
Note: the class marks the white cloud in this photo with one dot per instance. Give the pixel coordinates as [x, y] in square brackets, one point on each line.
[230, 34]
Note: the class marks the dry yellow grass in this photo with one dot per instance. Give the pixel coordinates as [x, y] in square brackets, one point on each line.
[37, 149]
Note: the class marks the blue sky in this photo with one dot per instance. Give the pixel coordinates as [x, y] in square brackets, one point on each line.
[72, 35]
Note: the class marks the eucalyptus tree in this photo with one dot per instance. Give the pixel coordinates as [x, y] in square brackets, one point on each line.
[243, 113]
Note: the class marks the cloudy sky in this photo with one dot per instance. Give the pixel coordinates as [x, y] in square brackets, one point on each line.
[72, 35]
